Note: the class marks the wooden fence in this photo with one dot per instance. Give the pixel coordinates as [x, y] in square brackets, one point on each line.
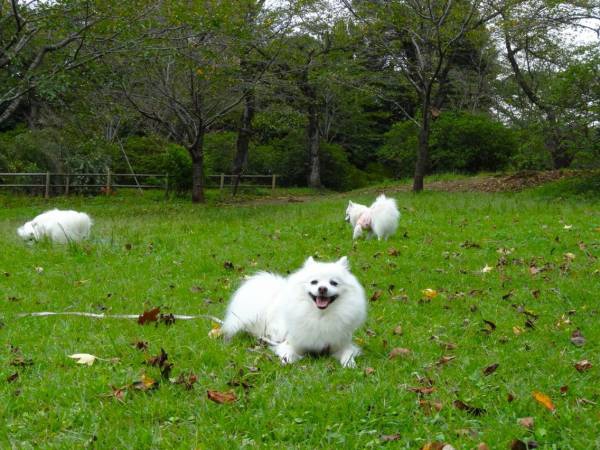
[65, 183]
[228, 180]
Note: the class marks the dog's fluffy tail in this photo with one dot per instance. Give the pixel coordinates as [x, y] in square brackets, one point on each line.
[385, 216]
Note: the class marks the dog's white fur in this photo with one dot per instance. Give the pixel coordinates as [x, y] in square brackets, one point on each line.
[59, 226]
[384, 217]
[314, 310]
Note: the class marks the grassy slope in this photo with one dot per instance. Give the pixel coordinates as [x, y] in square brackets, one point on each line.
[176, 246]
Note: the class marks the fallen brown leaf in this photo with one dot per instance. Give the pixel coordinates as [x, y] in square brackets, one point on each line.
[445, 360]
[118, 393]
[389, 437]
[398, 330]
[510, 397]
[544, 400]
[393, 251]
[474, 411]
[517, 444]
[12, 377]
[369, 371]
[583, 365]
[161, 361]
[228, 265]
[526, 422]
[21, 361]
[140, 345]
[489, 326]
[149, 316]
[482, 446]
[490, 369]
[187, 381]
[564, 389]
[398, 351]
[423, 390]
[577, 338]
[145, 384]
[221, 397]
[376, 295]
[430, 407]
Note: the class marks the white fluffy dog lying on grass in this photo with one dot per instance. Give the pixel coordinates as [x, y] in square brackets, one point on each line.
[314, 310]
[381, 218]
[59, 226]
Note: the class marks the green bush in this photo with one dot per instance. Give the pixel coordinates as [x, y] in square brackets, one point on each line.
[459, 142]
[177, 163]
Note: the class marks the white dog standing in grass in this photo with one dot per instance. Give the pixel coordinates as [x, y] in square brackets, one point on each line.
[314, 310]
[381, 218]
[59, 226]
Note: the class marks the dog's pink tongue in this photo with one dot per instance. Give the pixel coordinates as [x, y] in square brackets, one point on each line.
[322, 302]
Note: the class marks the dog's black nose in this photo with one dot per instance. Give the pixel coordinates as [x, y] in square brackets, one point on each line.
[322, 289]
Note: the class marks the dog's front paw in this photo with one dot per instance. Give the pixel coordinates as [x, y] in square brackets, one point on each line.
[346, 356]
[286, 353]
[350, 363]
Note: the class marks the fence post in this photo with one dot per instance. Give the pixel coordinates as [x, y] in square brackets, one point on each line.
[274, 182]
[67, 180]
[47, 192]
[167, 186]
[222, 184]
[108, 181]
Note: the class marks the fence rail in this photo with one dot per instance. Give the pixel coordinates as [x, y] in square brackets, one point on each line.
[108, 181]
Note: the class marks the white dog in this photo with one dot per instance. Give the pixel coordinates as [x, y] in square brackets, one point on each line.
[381, 218]
[59, 226]
[314, 310]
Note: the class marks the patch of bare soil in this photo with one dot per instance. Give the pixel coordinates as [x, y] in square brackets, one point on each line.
[497, 183]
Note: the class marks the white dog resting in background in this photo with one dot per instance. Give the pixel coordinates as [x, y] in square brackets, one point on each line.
[381, 218]
[59, 226]
[314, 310]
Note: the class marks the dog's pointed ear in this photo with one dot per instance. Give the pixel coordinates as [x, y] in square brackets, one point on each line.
[350, 203]
[343, 261]
[309, 261]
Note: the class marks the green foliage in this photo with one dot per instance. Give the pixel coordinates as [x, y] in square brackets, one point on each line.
[463, 142]
[460, 142]
[219, 150]
[176, 162]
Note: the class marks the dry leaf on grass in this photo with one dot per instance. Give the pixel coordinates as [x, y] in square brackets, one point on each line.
[221, 397]
[430, 407]
[445, 360]
[544, 400]
[577, 338]
[430, 293]
[376, 295]
[526, 422]
[389, 437]
[473, 410]
[583, 365]
[398, 351]
[517, 444]
[84, 358]
[12, 377]
[423, 390]
[149, 316]
[398, 330]
[486, 269]
[145, 383]
[490, 369]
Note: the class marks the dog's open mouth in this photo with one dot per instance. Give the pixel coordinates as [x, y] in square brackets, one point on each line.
[321, 301]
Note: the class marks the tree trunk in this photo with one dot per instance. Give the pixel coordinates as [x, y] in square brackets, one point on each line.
[314, 173]
[243, 137]
[197, 154]
[423, 151]
[554, 143]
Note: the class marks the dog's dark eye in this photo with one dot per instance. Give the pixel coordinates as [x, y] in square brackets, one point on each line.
[333, 283]
[314, 281]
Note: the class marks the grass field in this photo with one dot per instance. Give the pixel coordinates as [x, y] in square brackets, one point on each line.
[542, 285]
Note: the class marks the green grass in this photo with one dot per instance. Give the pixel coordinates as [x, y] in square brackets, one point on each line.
[150, 252]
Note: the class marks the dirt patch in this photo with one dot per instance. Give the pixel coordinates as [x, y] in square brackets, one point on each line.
[498, 183]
